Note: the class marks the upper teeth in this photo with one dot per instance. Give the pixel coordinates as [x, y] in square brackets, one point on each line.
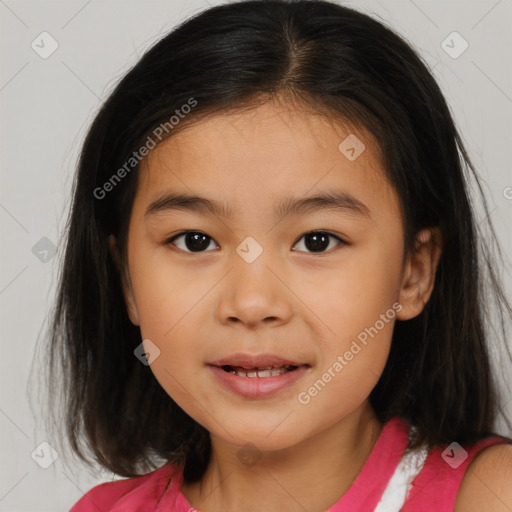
[269, 371]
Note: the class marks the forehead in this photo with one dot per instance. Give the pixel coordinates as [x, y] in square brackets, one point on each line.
[262, 153]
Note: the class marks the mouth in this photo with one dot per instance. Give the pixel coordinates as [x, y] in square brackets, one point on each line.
[257, 365]
[258, 376]
[257, 372]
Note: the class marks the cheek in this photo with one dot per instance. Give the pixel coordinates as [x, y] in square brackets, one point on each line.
[357, 304]
[169, 316]
[363, 287]
[164, 293]
[173, 306]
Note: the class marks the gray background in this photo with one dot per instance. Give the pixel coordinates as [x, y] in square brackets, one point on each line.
[46, 105]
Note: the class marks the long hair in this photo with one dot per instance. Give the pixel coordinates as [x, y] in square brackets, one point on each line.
[335, 61]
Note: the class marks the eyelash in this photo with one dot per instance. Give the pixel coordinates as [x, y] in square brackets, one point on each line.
[182, 233]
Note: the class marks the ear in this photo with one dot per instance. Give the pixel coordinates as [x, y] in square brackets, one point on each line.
[419, 273]
[126, 282]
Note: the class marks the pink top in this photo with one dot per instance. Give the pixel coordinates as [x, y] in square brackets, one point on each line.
[433, 485]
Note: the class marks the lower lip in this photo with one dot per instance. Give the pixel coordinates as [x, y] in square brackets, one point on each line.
[257, 387]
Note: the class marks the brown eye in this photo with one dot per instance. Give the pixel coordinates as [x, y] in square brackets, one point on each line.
[193, 241]
[319, 241]
[196, 241]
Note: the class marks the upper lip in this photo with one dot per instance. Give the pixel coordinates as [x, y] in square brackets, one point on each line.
[255, 361]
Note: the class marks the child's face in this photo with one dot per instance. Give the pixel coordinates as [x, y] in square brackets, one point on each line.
[289, 301]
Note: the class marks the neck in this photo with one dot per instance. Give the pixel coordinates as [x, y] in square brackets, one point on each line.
[327, 462]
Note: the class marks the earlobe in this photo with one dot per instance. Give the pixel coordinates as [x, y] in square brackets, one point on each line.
[419, 273]
[126, 283]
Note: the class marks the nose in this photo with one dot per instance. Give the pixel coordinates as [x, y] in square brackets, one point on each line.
[255, 294]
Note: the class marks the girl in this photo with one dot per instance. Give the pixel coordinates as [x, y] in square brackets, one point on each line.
[271, 297]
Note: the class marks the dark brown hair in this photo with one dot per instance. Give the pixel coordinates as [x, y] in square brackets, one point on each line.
[330, 59]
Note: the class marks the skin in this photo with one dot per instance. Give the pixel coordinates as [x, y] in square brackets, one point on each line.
[486, 483]
[197, 307]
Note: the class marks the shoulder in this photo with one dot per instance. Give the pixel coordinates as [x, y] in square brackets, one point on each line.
[487, 482]
[132, 490]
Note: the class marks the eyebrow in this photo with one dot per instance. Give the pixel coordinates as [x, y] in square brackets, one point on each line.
[334, 200]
